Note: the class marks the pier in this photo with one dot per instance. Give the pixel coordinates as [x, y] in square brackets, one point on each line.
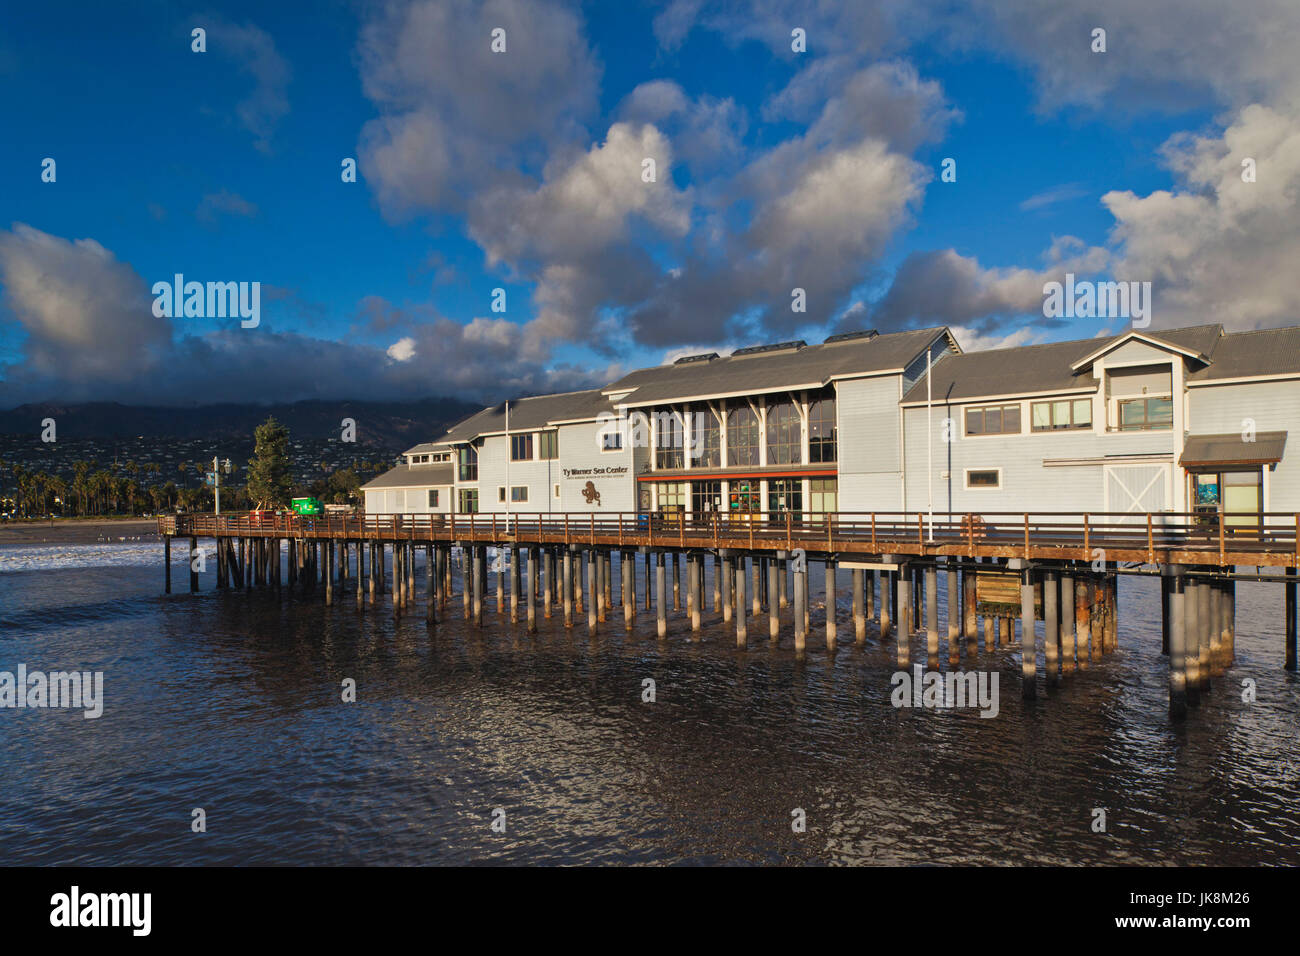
[1058, 568]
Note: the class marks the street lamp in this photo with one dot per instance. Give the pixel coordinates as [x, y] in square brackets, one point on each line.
[217, 467]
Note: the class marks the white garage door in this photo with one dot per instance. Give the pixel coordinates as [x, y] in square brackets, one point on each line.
[1137, 489]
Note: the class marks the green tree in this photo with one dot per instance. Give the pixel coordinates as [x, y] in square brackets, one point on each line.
[270, 480]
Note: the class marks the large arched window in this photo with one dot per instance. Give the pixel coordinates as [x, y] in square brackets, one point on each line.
[821, 429]
[742, 436]
[784, 433]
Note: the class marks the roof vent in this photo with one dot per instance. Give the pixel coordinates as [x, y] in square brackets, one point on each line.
[774, 347]
[702, 357]
[860, 335]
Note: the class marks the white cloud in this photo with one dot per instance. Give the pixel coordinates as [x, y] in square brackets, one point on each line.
[454, 115]
[403, 350]
[87, 316]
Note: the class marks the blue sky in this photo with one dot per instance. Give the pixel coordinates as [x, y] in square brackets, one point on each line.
[522, 170]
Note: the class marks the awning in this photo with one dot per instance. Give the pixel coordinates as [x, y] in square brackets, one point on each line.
[1231, 451]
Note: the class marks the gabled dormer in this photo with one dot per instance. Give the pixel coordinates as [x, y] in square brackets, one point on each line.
[1142, 376]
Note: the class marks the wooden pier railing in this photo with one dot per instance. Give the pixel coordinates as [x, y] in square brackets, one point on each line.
[1161, 537]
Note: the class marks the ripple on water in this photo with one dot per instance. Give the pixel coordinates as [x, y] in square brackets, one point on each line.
[231, 702]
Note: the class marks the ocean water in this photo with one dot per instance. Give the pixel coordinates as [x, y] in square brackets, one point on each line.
[232, 702]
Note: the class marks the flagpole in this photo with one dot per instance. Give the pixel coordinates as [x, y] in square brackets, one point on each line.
[929, 439]
[509, 455]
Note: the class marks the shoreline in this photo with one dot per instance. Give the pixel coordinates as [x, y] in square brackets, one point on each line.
[78, 531]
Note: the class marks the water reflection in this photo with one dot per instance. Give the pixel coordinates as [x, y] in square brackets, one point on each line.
[231, 701]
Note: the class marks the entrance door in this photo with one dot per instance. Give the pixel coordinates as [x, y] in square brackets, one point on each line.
[1237, 495]
[1243, 499]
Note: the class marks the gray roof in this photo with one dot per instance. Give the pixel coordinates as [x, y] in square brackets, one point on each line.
[426, 446]
[1243, 354]
[525, 413]
[1230, 449]
[1201, 339]
[1028, 368]
[1047, 368]
[809, 366]
[412, 476]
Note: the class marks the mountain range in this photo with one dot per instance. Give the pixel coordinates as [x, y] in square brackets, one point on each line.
[388, 425]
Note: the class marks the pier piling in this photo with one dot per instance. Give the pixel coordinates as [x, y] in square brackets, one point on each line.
[1028, 653]
[859, 613]
[742, 634]
[830, 605]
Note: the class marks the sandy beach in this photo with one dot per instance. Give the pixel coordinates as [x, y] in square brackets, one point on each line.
[77, 531]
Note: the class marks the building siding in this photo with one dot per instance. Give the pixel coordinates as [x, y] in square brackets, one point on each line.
[867, 432]
[1273, 406]
[1026, 483]
[383, 501]
[610, 472]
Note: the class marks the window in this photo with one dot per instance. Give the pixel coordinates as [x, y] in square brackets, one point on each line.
[548, 446]
[984, 478]
[706, 497]
[519, 493]
[993, 420]
[821, 430]
[441, 456]
[501, 493]
[706, 437]
[822, 496]
[744, 497]
[785, 494]
[668, 440]
[521, 447]
[1146, 414]
[433, 497]
[469, 501]
[1061, 414]
[672, 496]
[742, 436]
[611, 441]
[784, 434]
[467, 456]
